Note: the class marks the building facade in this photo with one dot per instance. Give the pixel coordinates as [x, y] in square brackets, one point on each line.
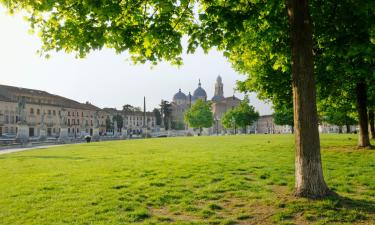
[266, 125]
[134, 122]
[220, 104]
[42, 110]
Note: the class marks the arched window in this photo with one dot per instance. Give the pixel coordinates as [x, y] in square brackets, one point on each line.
[32, 111]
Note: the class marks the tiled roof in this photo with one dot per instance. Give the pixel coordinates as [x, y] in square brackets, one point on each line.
[10, 93]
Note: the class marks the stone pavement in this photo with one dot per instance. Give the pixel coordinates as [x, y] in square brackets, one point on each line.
[6, 151]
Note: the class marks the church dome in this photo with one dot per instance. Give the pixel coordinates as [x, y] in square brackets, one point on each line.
[179, 96]
[200, 92]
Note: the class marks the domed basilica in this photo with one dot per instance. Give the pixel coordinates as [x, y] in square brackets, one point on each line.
[220, 104]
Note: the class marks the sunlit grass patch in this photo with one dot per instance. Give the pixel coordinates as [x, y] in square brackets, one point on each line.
[194, 180]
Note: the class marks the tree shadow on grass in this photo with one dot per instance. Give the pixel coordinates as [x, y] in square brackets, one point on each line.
[356, 204]
[330, 210]
[334, 209]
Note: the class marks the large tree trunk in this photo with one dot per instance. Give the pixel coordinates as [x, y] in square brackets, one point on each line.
[363, 137]
[308, 165]
[371, 120]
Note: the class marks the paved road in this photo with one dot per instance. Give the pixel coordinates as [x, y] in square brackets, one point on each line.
[6, 151]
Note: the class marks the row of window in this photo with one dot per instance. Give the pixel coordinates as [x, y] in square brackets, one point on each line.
[53, 112]
[73, 130]
[73, 122]
[82, 115]
[8, 130]
[77, 114]
[49, 112]
[10, 119]
[138, 124]
[139, 118]
[76, 131]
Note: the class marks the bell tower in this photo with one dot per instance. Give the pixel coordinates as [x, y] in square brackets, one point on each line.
[219, 92]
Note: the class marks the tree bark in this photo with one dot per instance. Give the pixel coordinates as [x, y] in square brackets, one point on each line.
[363, 137]
[340, 129]
[308, 165]
[371, 121]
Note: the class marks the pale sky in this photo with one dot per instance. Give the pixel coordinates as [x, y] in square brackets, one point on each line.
[104, 78]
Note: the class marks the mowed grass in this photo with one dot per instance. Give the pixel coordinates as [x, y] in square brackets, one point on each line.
[193, 180]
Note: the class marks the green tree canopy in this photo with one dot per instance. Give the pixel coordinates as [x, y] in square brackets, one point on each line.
[199, 115]
[338, 117]
[130, 108]
[228, 120]
[157, 114]
[283, 116]
[108, 123]
[166, 114]
[345, 55]
[241, 116]
[339, 111]
[119, 120]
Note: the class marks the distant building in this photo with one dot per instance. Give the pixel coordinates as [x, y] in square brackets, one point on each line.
[326, 128]
[42, 109]
[266, 125]
[133, 121]
[220, 104]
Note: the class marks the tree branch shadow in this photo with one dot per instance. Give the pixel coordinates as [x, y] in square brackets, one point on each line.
[363, 205]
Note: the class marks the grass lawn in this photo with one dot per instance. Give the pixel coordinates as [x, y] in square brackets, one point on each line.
[192, 180]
